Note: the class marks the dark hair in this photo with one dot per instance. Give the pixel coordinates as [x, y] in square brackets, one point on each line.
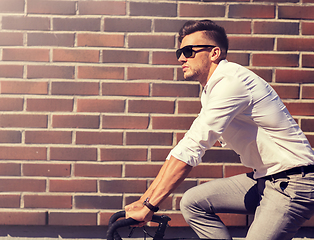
[212, 31]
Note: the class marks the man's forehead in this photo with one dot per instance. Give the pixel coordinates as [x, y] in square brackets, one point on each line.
[196, 38]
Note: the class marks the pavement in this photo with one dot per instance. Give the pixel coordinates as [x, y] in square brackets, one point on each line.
[99, 233]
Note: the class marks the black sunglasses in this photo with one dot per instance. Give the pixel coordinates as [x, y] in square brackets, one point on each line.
[188, 51]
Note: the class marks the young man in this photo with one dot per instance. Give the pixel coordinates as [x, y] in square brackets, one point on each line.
[245, 114]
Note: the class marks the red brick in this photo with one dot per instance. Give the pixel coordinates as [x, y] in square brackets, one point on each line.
[125, 122]
[72, 219]
[51, 7]
[300, 108]
[275, 60]
[168, 25]
[122, 186]
[286, 92]
[308, 60]
[193, 107]
[231, 170]
[37, 218]
[201, 10]
[285, 28]
[125, 56]
[221, 156]
[182, 123]
[47, 201]
[50, 72]
[309, 223]
[10, 169]
[11, 71]
[149, 138]
[99, 105]
[49, 105]
[295, 44]
[50, 39]
[125, 89]
[23, 120]
[266, 74]
[22, 185]
[11, 104]
[235, 220]
[175, 90]
[22, 87]
[294, 76]
[23, 153]
[96, 138]
[142, 170]
[127, 25]
[240, 58]
[102, 8]
[295, 12]
[98, 202]
[307, 28]
[48, 137]
[73, 154]
[165, 58]
[159, 154]
[76, 24]
[207, 171]
[97, 170]
[11, 38]
[251, 11]
[87, 72]
[153, 9]
[104, 218]
[150, 106]
[74, 55]
[26, 23]
[75, 88]
[151, 41]
[123, 154]
[12, 6]
[307, 92]
[185, 185]
[47, 170]
[100, 40]
[31, 55]
[75, 121]
[251, 43]
[310, 139]
[307, 125]
[72, 185]
[10, 201]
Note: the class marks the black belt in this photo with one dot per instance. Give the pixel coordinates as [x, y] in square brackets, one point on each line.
[297, 170]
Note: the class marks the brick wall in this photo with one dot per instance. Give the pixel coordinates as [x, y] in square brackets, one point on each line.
[92, 98]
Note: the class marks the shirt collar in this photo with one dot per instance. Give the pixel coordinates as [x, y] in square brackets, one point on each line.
[217, 70]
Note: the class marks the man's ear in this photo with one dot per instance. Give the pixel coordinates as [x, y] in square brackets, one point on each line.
[216, 54]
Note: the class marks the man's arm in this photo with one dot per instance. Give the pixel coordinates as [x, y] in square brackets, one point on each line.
[172, 173]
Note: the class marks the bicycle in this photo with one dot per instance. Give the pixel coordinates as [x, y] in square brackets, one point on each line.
[114, 224]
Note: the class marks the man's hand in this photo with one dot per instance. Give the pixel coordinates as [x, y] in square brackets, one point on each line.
[139, 213]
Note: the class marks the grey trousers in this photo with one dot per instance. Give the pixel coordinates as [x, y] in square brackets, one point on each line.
[279, 206]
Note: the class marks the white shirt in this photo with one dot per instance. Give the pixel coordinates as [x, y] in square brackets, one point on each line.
[244, 113]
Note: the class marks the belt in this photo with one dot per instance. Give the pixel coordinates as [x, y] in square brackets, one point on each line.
[297, 170]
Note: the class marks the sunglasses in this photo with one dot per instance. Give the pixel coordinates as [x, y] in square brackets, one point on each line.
[188, 51]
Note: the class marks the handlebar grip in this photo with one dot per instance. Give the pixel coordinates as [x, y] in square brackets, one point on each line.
[113, 225]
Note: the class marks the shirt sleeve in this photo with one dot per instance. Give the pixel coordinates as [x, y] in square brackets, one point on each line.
[220, 105]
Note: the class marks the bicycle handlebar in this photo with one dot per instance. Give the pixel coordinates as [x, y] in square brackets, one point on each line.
[113, 225]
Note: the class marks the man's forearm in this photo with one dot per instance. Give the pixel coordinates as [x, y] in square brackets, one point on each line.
[170, 177]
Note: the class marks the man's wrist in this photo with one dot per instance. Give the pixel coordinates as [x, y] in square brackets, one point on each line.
[150, 206]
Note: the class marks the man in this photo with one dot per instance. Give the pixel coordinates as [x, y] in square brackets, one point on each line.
[245, 114]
